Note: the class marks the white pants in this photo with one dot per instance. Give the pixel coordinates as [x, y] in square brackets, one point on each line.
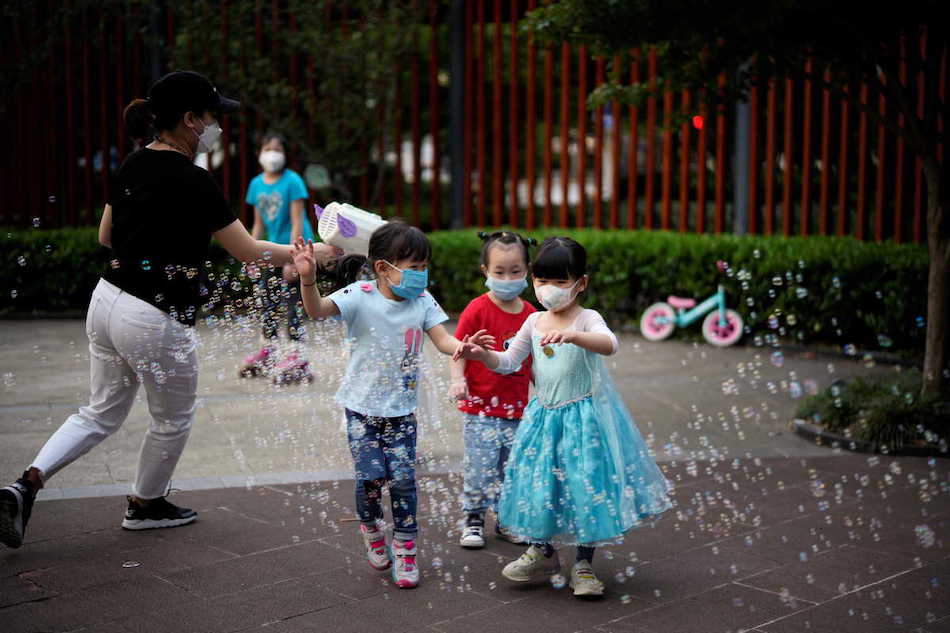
[132, 342]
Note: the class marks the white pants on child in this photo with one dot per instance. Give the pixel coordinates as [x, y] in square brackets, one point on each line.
[132, 342]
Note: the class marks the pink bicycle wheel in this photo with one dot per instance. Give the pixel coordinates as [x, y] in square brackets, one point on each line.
[722, 335]
[658, 322]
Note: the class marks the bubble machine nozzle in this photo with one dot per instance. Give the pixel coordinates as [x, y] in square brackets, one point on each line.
[347, 227]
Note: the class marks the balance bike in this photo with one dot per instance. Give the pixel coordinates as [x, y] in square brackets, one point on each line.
[721, 327]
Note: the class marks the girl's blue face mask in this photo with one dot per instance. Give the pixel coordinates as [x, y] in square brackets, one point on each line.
[506, 289]
[413, 283]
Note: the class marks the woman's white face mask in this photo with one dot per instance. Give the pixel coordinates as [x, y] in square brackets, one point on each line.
[208, 137]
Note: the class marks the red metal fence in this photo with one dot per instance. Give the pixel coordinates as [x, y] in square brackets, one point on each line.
[534, 154]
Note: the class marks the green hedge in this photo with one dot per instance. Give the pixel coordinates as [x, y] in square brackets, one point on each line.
[824, 289]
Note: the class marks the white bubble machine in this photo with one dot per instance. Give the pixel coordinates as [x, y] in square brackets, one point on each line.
[347, 227]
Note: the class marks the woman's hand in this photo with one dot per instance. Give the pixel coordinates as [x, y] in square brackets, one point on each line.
[558, 337]
[305, 259]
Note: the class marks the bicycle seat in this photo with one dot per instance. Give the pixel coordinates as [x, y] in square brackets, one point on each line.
[681, 303]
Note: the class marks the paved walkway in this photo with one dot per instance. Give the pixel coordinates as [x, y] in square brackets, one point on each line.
[770, 534]
[834, 544]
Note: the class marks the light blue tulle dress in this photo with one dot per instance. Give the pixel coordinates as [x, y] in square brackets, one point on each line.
[579, 471]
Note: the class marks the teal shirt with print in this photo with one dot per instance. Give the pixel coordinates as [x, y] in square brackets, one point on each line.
[273, 203]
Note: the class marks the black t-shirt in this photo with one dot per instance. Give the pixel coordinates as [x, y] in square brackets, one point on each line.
[164, 210]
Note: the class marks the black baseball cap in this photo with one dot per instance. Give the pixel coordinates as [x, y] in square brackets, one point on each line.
[187, 91]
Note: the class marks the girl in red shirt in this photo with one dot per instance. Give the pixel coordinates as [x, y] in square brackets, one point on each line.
[492, 403]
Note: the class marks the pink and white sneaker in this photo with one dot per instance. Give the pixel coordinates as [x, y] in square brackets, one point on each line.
[375, 542]
[292, 369]
[257, 363]
[405, 570]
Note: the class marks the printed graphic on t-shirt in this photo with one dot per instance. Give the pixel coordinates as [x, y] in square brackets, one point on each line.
[413, 341]
[269, 204]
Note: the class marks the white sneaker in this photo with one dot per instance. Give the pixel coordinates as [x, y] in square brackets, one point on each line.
[473, 537]
[375, 542]
[405, 570]
[583, 580]
[532, 565]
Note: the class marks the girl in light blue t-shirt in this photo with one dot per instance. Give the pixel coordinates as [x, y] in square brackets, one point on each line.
[278, 195]
[386, 319]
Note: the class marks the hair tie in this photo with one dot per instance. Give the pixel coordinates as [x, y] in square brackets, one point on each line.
[482, 235]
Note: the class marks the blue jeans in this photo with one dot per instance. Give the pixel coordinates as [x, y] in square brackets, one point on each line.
[384, 452]
[487, 444]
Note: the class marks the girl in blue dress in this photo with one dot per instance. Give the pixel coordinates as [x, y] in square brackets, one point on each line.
[579, 471]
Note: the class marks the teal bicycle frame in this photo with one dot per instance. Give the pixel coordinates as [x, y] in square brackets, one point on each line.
[716, 301]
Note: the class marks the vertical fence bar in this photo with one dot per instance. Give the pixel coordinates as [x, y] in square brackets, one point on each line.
[514, 83]
[72, 202]
[754, 160]
[899, 167]
[599, 151]
[223, 69]
[415, 126]
[435, 117]
[530, 133]
[259, 44]
[651, 142]
[580, 219]
[87, 119]
[825, 156]
[548, 133]
[565, 131]
[843, 168]
[684, 165]
[806, 153]
[246, 213]
[769, 214]
[480, 107]
[862, 163]
[397, 143]
[701, 172]
[52, 134]
[879, 178]
[468, 104]
[720, 164]
[103, 113]
[616, 127]
[918, 162]
[497, 181]
[667, 175]
[787, 164]
[136, 53]
[632, 171]
[120, 96]
[19, 125]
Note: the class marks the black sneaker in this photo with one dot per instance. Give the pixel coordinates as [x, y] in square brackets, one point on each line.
[473, 535]
[16, 503]
[158, 513]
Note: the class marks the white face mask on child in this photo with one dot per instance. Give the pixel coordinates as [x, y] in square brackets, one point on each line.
[271, 161]
[553, 297]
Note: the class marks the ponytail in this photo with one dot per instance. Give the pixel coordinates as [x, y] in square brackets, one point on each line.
[345, 269]
[139, 121]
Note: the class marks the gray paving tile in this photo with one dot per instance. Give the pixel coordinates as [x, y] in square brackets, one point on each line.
[16, 590]
[238, 611]
[728, 608]
[254, 570]
[685, 574]
[832, 573]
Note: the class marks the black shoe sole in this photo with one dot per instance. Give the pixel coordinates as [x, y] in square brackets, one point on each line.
[152, 524]
[9, 518]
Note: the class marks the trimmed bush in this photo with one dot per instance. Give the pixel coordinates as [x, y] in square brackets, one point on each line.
[815, 289]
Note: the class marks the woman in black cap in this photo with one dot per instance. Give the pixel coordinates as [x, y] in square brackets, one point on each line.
[159, 220]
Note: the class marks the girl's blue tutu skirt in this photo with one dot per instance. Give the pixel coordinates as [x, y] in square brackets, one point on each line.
[580, 474]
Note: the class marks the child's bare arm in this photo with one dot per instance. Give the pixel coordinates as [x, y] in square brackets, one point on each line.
[305, 259]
